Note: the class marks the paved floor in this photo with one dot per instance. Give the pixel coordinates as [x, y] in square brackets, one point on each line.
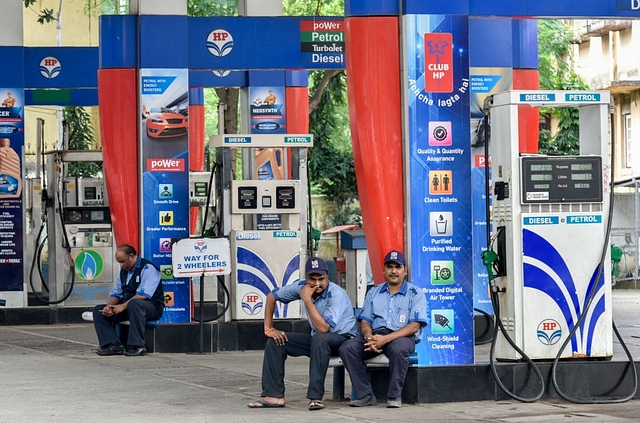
[49, 374]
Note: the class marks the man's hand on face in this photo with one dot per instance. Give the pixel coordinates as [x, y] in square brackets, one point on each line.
[307, 290]
[316, 283]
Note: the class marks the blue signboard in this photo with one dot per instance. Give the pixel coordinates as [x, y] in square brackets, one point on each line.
[164, 103]
[484, 82]
[437, 82]
[265, 43]
[11, 144]
[61, 67]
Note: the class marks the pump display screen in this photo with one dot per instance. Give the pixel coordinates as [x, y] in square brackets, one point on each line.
[86, 215]
[200, 189]
[97, 215]
[247, 198]
[285, 198]
[561, 179]
[90, 193]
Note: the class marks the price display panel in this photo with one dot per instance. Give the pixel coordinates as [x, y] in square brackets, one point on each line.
[561, 179]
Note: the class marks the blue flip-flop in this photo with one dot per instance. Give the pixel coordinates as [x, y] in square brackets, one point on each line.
[262, 404]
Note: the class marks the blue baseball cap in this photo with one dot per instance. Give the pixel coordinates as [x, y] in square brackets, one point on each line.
[316, 265]
[396, 257]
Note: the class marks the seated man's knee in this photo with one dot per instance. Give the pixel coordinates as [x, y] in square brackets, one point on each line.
[404, 346]
[349, 347]
[134, 305]
[97, 311]
[270, 344]
[320, 339]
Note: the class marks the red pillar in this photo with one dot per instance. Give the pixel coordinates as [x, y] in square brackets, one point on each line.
[196, 144]
[297, 106]
[376, 127]
[526, 77]
[528, 117]
[117, 91]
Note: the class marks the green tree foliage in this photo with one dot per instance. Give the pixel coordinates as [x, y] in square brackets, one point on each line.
[555, 61]
[44, 15]
[212, 7]
[331, 165]
[313, 7]
[80, 133]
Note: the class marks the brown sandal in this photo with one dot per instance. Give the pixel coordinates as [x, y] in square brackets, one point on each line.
[316, 405]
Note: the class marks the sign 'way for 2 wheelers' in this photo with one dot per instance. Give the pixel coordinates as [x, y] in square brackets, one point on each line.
[193, 257]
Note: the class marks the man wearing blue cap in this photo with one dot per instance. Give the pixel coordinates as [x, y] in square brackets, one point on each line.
[391, 322]
[332, 321]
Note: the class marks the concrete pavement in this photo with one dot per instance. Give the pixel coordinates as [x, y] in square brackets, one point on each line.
[49, 373]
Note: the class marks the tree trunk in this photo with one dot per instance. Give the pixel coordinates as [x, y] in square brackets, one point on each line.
[317, 95]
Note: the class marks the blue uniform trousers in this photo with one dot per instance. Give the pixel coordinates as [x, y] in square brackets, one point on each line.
[137, 313]
[319, 348]
[353, 354]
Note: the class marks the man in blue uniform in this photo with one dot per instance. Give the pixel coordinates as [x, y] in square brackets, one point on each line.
[332, 321]
[137, 296]
[391, 322]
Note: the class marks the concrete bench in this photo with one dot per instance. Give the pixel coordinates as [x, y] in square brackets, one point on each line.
[150, 325]
[377, 361]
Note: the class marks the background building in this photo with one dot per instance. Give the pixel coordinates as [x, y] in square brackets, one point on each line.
[607, 58]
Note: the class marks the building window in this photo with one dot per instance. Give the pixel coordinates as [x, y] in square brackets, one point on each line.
[627, 140]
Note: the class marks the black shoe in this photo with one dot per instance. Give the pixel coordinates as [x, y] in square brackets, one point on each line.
[136, 351]
[111, 349]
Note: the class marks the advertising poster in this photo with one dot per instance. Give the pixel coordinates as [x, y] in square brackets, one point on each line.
[164, 100]
[437, 119]
[11, 145]
[484, 82]
[268, 116]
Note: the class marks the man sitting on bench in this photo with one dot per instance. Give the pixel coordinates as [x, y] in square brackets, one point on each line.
[391, 322]
[332, 322]
[137, 296]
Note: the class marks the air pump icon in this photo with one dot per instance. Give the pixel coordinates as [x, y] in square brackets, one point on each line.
[442, 272]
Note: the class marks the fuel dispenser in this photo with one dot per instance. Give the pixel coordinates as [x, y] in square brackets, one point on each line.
[266, 221]
[550, 218]
[357, 260]
[82, 267]
[203, 198]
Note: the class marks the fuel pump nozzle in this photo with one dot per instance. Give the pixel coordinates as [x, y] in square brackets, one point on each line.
[488, 258]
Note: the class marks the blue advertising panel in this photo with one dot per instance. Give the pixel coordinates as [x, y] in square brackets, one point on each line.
[164, 100]
[268, 116]
[437, 119]
[264, 43]
[61, 67]
[11, 144]
[267, 110]
[484, 82]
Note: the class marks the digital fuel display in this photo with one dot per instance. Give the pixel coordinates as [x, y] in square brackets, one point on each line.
[542, 167]
[561, 179]
[581, 176]
[541, 177]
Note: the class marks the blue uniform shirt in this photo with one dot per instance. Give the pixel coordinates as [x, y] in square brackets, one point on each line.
[149, 280]
[383, 310]
[333, 305]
